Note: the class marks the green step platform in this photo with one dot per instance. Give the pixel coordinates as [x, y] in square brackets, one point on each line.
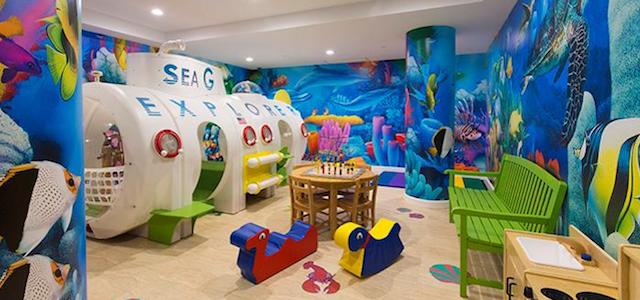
[163, 223]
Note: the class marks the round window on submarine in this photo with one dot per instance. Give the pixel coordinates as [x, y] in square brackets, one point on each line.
[304, 130]
[249, 136]
[168, 143]
[267, 135]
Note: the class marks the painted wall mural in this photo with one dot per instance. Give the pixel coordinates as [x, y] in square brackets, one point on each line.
[471, 128]
[429, 110]
[562, 87]
[346, 106]
[42, 243]
[108, 55]
[232, 75]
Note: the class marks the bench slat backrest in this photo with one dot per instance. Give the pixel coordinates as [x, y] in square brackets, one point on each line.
[526, 188]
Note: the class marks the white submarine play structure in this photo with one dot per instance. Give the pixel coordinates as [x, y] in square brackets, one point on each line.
[161, 149]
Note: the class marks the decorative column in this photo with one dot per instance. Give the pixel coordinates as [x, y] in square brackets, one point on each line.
[429, 112]
[42, 224]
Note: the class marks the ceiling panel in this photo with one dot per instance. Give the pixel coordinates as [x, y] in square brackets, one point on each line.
[297, 32]
[185, 14]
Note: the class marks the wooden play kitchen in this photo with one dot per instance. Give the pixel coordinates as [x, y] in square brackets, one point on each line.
[543, 266]
[333, 184]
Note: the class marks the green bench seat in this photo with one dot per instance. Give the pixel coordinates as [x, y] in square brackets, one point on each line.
[163, 223]
[526, 197]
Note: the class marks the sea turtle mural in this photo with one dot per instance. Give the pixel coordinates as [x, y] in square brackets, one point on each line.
[562, 37]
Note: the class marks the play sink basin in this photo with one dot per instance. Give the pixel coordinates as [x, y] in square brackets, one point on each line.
[548, 252]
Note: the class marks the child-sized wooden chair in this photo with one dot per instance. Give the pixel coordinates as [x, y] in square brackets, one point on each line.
[307, 201]
[361, 204]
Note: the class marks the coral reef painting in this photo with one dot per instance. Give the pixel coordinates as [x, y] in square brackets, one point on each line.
[352, 95]
[108, 55]
[428, 114]
[561, 92]
[471, 111]
[42, 243]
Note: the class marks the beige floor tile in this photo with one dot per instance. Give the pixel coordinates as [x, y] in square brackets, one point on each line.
[204, 265]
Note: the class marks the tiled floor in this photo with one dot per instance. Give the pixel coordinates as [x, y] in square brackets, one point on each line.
[203, 266]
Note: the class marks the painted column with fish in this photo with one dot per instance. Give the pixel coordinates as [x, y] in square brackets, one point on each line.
[42, 242]
[429, 92]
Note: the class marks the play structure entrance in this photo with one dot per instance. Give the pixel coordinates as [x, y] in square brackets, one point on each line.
[213, 143]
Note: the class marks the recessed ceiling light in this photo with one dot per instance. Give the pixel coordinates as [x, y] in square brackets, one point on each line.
[249, 59]
[330, 52]
[157, 12]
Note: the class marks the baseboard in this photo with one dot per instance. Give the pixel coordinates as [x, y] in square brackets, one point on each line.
[435, 204]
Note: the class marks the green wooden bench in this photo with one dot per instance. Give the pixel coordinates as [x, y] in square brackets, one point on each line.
[526, 197]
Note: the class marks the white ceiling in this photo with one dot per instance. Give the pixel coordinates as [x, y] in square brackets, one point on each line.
[296, 32]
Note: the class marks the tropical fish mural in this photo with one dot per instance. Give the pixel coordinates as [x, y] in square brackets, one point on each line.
[429, 137]
[16, 59]
[561, 37]
[211, 143]
[42, 242]
[63, 54]
[561, 85]
[471, 112]
[349, 94]
[108, 55]
[611, 177]
[18, 45]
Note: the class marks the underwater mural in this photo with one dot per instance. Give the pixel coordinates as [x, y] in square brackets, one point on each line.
[231, 74]
[563, 89]
[108, 55]
[471, 112]
[429, 111]
[42, 242]
[350, 95]
[211, 143]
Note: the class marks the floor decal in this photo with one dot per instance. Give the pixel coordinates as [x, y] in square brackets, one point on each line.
[445, 273]
[319, 280]
[412, 214]
[416, 215]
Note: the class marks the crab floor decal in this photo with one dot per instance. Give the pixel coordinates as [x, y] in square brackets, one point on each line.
[319, 280]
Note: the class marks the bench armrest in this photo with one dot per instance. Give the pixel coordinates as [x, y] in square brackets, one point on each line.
[472, 173]
[520, 218]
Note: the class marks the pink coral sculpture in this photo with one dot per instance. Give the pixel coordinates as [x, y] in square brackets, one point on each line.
[332, 137]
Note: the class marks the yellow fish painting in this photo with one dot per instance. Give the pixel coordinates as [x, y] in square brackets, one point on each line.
[611, 176]
[430, 93]
[509, 70]
[62, 58]
[432, 89]
[120, 52]
[514, 123]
